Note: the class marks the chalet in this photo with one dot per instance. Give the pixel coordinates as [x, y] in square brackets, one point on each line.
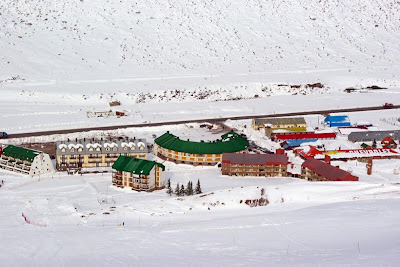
[302, 135]
[138, 174]
[260, 165]
[172, 148]
[373, 135]
[25, 161]
[316, 170]
[388, 142]
[95, 153]
[337, 121]
[307, 152]
[294, 124]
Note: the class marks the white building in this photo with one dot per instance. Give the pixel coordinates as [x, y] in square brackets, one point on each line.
[25, 161]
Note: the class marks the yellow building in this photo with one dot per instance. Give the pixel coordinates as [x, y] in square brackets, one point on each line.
[94, 153]
[170, 147]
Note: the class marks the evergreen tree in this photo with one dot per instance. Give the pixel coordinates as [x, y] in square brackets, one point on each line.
[169, 189]
[189, 189]
[177, 191]
[182, 191]
[374, 144]
[198, 187]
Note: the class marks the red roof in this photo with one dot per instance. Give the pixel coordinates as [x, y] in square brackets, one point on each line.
[312, 152]
[387, 140]
[328, 171]
[304, 136]
[254, 159]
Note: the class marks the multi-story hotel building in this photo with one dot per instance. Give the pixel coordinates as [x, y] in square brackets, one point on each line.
[138, 174]
[170, 147]
[92, 153]
[26, 161]
[261, 165]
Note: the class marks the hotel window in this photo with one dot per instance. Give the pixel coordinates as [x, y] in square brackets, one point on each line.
[80, 149]
[98, 149]
[90, 148]
[115, 148]
[63, 149]
[72, 150]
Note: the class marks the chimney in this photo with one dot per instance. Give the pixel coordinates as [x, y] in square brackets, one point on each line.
[280, 151]
[369, 166]
[328, 159]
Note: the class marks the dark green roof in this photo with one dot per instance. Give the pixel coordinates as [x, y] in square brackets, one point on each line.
[20, 153]
[134, 165]
[231, 142]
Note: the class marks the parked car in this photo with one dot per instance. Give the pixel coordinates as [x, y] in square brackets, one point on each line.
[3, 135]
[388, 105]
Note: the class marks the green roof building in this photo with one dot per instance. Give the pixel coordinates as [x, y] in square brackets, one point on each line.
[25, 161]
[172, 148]
[138, 174]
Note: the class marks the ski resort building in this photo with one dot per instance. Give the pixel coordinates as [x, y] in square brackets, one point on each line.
[373, 135]
[317, 170]
[261, 165]
[172, 148]
[307, 152]
[95, 153]
[25, 161]
[295, 124]
[138, 174]
[302, 135]
[337, 121]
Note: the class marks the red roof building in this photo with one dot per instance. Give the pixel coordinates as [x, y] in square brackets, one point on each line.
[266, 165]
[303, 135]
[388, 142]
[316, 170]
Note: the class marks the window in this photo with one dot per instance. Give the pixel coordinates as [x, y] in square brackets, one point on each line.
[107, 149]
[125, 148]
[63, 149]
[80, 149]
[72, 150]
[98, 149]
[115, 148]
[90, 148]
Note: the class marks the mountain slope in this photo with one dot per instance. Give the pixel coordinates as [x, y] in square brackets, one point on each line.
[52, 39]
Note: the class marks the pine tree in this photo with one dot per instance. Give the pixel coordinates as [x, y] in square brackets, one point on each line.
[169, 189]
[177, 191]
[189, 189]
[198, 187]
[374, 144]
[182, 192]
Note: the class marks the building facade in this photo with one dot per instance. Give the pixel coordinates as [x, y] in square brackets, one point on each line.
[337, 121]
[317, 170]
[293, 124]
[170, 147]
[25, 161]
[97, 153]
[138, 174]
[259, 165]
[373, 135]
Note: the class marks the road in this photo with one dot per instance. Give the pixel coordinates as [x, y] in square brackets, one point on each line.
[211, 120]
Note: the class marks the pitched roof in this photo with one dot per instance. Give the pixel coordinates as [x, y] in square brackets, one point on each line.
[135, 165]
[337, 118]
[231, 142]
[371, 135]
[328, 171]
[20, 153]
[280, 121]
[256, 159]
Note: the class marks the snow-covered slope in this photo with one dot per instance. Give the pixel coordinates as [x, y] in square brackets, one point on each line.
[100, 40]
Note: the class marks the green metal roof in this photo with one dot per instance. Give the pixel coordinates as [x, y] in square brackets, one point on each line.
[20, 153]
[135, 165]
[231, 142]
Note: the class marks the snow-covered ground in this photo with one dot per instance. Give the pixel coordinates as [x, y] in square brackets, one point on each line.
[196, 59]
[305, 223]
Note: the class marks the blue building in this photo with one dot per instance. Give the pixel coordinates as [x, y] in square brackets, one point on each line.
[297, 142]
[337, 121]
